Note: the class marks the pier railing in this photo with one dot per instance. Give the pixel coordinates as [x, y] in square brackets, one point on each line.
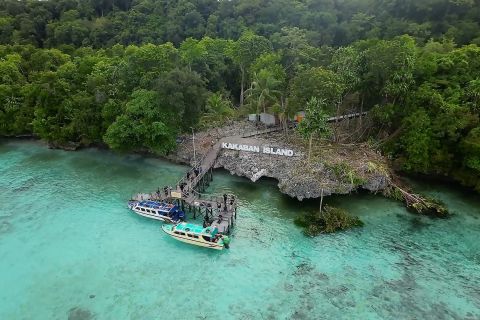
[203, 166]
[347, 116]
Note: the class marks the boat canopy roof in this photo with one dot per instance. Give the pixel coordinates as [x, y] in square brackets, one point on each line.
[196, 229]
[164, 207]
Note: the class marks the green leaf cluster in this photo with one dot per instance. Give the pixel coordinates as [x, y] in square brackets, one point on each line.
[330, 220]
[104, 23]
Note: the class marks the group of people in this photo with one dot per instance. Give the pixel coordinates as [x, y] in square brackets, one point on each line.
[195, 172]
[167, 191]
[183, 188]
[191, 175]
[227, 199]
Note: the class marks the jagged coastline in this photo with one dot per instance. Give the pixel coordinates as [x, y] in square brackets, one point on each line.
[337, 169]
[333, 169]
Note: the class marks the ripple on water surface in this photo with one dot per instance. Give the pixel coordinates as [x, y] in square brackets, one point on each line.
[69, 248]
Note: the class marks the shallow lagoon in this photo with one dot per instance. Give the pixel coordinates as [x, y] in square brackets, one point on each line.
[69, 247]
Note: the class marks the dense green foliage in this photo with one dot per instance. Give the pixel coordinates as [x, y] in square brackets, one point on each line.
[330, 220]
[135, 74]
[315, 123]
[435, 128]
[132, 98]
[101, 23]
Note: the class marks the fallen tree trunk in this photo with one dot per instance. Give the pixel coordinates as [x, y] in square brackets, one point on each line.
[415, 202]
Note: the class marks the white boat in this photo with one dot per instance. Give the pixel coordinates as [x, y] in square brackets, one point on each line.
[197, 235]
[157, 210]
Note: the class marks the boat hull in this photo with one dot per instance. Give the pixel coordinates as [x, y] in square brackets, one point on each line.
[196, 242]
[152, 216]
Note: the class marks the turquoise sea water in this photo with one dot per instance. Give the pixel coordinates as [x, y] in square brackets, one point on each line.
[70, 249]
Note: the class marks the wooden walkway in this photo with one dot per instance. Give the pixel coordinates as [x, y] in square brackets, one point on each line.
[347, 116]
[217, 210]
[260, 131]
[292, 125]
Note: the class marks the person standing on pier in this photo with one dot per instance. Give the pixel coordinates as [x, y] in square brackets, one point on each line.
[182, 186]
[165, 190]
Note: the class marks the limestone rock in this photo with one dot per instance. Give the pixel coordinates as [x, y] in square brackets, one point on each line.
[335, 169]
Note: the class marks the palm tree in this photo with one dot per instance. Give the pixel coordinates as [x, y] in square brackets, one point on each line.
[218, 104]
[218, 109]
[285, 111]
[263, 92]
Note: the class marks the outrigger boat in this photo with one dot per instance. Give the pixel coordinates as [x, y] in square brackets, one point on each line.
[157, 210]
[197, 235]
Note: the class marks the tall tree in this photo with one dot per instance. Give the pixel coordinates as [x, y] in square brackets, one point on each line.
[182, 93]
[263, 92]
[143, 125]
[249, 47]
[315, 122]
[317, 82]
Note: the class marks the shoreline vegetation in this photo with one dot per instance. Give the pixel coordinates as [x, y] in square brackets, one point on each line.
[329, 220]
[415, 202]
[134, 76]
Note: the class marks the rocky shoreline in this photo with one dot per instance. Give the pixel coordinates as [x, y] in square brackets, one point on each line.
[333, 169]
[337, 169]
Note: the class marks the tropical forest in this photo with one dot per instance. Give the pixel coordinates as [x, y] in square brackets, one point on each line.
[240, 159]
[135, 74]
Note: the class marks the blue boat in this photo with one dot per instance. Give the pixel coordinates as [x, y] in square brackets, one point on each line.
[157, 210]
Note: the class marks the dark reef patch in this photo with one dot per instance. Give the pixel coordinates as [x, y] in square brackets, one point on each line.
[26, 185]
[417, 224]
[5, 227]
[78, 313]
[303, 269]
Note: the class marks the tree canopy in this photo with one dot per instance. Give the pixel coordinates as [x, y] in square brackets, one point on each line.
[135, 74]
[320, 22]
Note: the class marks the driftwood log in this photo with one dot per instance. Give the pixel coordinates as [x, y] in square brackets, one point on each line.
[415, 202]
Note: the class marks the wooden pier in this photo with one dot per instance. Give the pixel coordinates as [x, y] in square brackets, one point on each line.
[217, 210]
